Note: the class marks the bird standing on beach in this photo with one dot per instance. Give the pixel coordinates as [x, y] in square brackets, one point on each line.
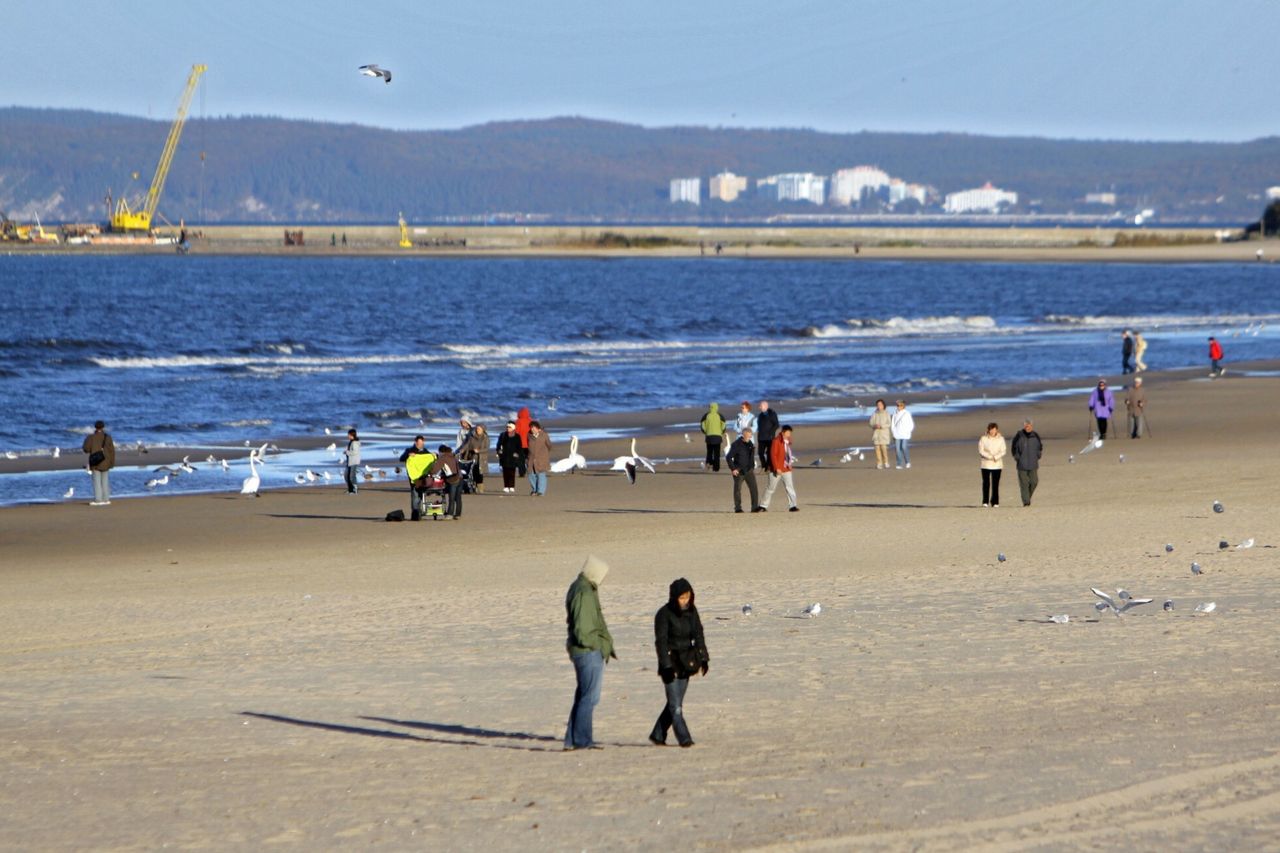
[373, 70]
[631, 464]
[253, 482]
[70, 493]
[572, 462]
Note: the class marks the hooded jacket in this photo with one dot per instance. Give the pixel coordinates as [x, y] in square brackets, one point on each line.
[446, 466]
[682, 650]
[1102, 402]
[587, 629]
[523, 419]
[713, 422]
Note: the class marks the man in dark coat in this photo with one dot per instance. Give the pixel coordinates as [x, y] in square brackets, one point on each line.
[766, 429]
[1027, 448]
[418, 447]
[742, 462]
[1126, 353]
[682, 652]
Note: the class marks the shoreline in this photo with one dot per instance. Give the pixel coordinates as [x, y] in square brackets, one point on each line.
[664, 427]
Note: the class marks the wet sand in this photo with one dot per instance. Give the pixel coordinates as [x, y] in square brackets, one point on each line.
[228, 672]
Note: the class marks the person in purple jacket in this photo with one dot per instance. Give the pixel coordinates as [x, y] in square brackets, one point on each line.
[1102, 404]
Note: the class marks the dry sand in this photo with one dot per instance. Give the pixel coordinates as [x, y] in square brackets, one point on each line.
[228, 673]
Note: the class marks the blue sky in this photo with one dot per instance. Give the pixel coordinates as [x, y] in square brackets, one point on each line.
[1127, 69]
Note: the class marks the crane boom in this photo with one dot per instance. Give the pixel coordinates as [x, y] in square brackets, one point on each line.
[125, 219]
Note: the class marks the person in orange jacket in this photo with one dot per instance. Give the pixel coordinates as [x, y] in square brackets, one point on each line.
[781, 461]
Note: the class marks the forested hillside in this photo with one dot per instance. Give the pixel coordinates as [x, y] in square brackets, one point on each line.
[60, 163]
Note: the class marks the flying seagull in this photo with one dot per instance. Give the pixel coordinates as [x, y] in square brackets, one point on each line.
[1108, 602]
[374, 71]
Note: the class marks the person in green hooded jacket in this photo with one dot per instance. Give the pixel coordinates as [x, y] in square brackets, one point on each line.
[713, 429]
[590, 646]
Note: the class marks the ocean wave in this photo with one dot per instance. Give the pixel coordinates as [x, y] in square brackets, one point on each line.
[248, 422]
[851, 389]
[1157, 321]
[281, 369]
[223, 361]
[859, 327]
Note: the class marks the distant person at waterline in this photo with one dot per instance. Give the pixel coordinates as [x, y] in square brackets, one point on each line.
[991, 452]
[1139, 350]
[713, 430]
[351, 461]
[745, 420]
[1215, 358]
[881, 433]
[1126, 353]
[539, 459]
[476, 451]
[1102, 403]
[102, 458]
[901, 425]
[766, 429]
[1135, 403]
[511, 456]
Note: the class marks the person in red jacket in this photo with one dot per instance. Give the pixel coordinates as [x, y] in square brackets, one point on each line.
[1215, 358]
[781, 461]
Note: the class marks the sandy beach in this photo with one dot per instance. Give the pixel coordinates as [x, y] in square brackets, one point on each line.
[224, 672]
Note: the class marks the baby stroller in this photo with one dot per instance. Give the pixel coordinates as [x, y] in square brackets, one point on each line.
[428, 487]
[468, 469]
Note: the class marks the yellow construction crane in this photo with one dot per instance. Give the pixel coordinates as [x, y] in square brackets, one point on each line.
[124, 218]
[405, 242]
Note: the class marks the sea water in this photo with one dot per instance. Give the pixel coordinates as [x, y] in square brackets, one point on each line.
[216, 351]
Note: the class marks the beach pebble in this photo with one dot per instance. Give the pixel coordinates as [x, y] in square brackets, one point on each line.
[1223, 544]
[1168, 548]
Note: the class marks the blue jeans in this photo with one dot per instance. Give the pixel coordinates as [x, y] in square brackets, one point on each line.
[901, 445]
[101, 486]
[538, 482]
[352, 476]
[589, 669]
[673, 714]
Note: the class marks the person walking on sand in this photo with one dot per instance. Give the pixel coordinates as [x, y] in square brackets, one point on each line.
[523, 419]
[539, 459]
[766, 430]
[1135, 403]
[1027, 448]
[901, 425]
[590, 647]
[1139, 350]
[418, 447]
[682, 653]
[351, 461]
[1215, 358]
[446, 467]
[476, 451]
[741, 459]
[1102, 403]
[991, 450]
[1126, 352]
[881, 431]
[713, 430]
[781, 461]
[102, 458]
[745, 420]
[511, 457]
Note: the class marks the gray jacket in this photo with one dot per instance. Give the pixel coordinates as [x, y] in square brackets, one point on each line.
[1027, 448]
[353, 452]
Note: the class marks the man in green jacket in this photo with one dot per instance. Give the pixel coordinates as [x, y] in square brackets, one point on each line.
[713, 429]
[590, 646]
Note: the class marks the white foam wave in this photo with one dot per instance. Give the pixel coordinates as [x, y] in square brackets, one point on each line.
[183, 361]
[248, 422]
[900, 326]
[1157, 321]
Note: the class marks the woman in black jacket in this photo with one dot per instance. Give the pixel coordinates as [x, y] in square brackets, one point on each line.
[682, 652]
[511, 456]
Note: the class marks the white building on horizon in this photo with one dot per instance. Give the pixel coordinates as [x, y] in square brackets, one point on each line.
[727, 186]
[793, 186]
[985, 199]
[686, 190]
[1273, 193]
[850, 186]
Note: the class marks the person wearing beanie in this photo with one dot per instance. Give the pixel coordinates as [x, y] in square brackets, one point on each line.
[590, 647]
[682, 653]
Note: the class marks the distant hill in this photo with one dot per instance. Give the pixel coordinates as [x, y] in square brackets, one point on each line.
[60, 163]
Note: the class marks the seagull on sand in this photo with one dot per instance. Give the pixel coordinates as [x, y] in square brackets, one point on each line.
[373, 70]
[572, 462]
[70, 493]
[813, 610]
[57, 451]
[158, 481]
[1108, 602]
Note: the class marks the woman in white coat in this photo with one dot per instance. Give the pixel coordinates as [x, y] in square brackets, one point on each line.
[991, 450]
[901, 425]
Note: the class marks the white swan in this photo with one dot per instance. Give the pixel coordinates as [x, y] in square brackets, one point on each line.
[253, 482]
[631, 463]
[572, 462]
